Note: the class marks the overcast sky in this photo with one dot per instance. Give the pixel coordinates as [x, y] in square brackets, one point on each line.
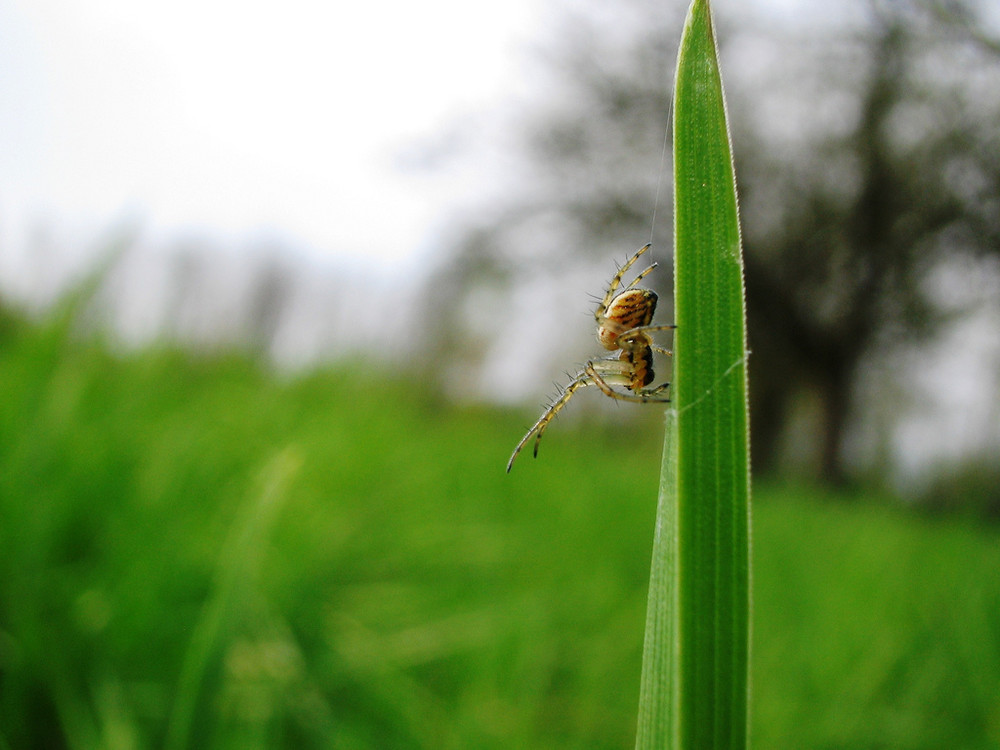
[237, 116]
[236, 119]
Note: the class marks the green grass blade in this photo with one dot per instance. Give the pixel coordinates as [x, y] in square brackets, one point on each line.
[694, 687]
[235, 571]
[658, 707]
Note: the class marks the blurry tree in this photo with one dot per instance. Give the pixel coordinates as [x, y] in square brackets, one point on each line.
[907, 181]
[271, 288]
[185, 289]
[867, 156]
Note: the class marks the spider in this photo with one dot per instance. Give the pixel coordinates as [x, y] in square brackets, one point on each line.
[623, 325]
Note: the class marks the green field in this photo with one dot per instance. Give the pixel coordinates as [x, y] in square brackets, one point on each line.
[197, 553]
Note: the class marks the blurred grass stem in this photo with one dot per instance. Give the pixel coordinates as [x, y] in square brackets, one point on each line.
[236, 566]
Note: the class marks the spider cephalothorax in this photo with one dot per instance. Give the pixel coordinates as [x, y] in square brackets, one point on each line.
[623, 324]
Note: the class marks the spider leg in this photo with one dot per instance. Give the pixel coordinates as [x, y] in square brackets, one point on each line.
[618, 376]
[649, 329]
[639, 337]
[657, 389]
[642, 275]
[628, 264]
[643, 397]
[603, 370]
[617, 279]
[633, 333]
[580, 381]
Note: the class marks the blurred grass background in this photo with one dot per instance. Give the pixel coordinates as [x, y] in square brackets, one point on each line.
[197, 552]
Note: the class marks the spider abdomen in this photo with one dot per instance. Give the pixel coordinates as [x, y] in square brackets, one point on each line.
[640, 360]
[632, 308]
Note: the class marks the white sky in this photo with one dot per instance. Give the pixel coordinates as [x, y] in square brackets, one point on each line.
[236, 116]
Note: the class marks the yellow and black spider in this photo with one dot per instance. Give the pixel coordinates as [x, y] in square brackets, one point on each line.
[623, 325]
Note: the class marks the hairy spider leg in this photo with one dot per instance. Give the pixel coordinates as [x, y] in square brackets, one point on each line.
[616, 372]
[617, 279]
[615, 376]
[580, 381]
[603, 373]
[639, 333]
[638, 337]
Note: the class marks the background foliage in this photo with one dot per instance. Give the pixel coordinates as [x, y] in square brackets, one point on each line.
[402, 591]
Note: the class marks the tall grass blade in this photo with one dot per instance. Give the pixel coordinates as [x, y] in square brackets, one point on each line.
[694, 684]
[235, 570]
[658, 708]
